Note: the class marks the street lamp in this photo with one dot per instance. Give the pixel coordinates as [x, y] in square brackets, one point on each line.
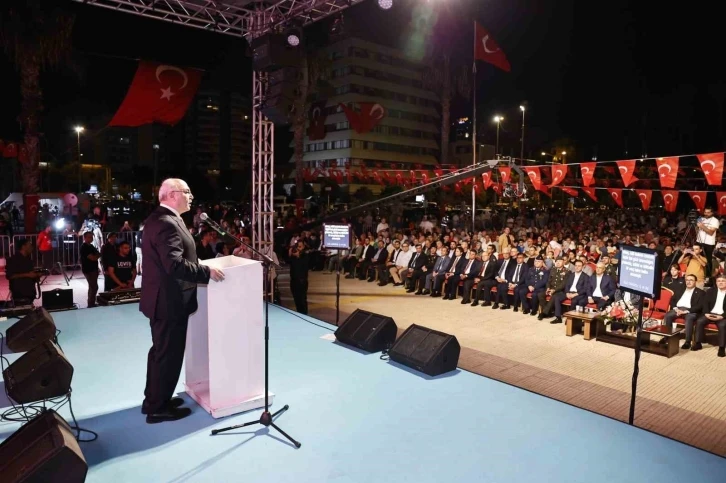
[156, 168]
[498, 120]
[521, 153]
[79, 130]
[564, 153]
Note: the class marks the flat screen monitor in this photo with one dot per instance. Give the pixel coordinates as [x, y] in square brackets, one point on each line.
[336, 236]
[640, 271]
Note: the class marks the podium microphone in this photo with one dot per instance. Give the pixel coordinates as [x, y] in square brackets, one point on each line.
[212, 224]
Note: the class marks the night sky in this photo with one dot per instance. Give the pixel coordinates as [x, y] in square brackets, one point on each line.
[605, 79]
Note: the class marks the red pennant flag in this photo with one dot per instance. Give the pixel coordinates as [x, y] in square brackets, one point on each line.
[10, 151]
[667, 171]
[488, 50]
[487, 179]
[699, 199]
[670, 200]
[627, 172]
[457, 187]
[363, 121]
[534, 176]
[544, 189]
[617, 195]
[497, 188]
[439, 172]
[645, 197]
[158, 93]
[712, 166]
[569, 191]
[424, 178]
[22, 154]
[588, 171]
[721, 196]
[316, 117]
[559, 172]
[591, 193]
[506, 174]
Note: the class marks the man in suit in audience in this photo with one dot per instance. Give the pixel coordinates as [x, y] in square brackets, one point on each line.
[484, 280]
[601, 288]
[687, 302]
[415, 266]
[377, 261]
[470, 268]
[714, 312]
[441, 265]
[505, 270]
[535, 282]
[556, 291]
[519, 277]
[365, 261]
[457, 264]
[575, 291]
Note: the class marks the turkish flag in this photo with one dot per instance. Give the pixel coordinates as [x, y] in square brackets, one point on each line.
[497, 187]
[588, 171]
[366, 118]
[424, 178]
[645, 197]
[488, 50]
[559, 172]
[670, 200]
[721, 196]
[535, 176]
[22, 154]
[590, 192]
[699, 199]
[487, 179]
[544, 189]
[31, 206]
[10, 151]
[617, 195]
[316, 118]
[667, 171]
[158, 93]
[627, 172]
[569, 191]
[506, 174]
[712, 166]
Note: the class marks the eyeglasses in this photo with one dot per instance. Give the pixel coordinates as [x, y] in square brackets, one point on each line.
[186, 192]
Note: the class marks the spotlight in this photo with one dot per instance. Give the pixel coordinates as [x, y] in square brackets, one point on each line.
[60, 224]
[385, 4]
[293, 39]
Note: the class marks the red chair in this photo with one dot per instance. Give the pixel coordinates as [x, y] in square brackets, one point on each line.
[661, 306]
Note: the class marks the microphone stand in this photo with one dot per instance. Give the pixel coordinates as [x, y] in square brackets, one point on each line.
[266, 418]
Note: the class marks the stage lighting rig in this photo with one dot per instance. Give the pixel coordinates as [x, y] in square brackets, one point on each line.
[385, 4]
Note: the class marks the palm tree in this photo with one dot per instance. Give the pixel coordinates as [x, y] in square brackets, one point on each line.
[36, 35]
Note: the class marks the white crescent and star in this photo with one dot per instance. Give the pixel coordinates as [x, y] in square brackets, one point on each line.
[585, 170]
[666, 196]
[623, 169]
[643, 196]
[484, 41]
[615, 195]
[703, 166]
[167, 92]
[375, 108]
[559, 175]
[722, 200]
[697, 197]
[664, 166]
[316, 112]
[532, 174]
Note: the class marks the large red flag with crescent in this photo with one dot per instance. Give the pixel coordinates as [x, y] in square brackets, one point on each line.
[645, 197]
[158, 93]
[617, 195]
[588, 171]
[667, 171]
[721, 197]
[712, 166]
[534, 176]
[699, 199]
[487, 179]
[627, 172]
[506, 174]
[366, 118]
[559, 172]
[569, 191]
[497, 187]
[488, 50]
[670, 200]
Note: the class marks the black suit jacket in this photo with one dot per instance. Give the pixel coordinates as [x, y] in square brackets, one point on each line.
[509, 271]
[709, 301]
[491, 269]
[171, 271]
[582, 283]
[420, 261]
[522, 274]
[607, 285]
[473, 271]
[696, 299]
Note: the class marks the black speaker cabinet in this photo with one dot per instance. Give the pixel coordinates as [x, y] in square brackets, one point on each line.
[43, 450]
[58, 299]
[41, 373]
[271, 52]
[429, 351]
[368, 331]
[25, 334]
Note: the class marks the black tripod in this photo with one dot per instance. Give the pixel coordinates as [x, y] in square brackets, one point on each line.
[266, 418]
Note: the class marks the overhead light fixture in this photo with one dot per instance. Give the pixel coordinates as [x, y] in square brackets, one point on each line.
[293, 39]
[294, 35]
[385, 4]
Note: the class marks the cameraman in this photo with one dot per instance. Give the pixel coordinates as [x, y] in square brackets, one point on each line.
[706, 237]
[696, 263]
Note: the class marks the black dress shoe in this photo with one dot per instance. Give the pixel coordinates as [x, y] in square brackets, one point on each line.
[556, 320]
[686, 346]
[463, 301]
[171, 414]
[516, 309]
[504, 307]
[486, 304]
[425, 292]
[420, 293]
[475, 303]
[533, 313]
[540, 316]
[697, 347]
[173, 403]
[524, 311]
[721, 352]
[495, 306]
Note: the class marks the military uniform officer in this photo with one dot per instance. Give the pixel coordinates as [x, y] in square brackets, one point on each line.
[555, 284]
[535, 283]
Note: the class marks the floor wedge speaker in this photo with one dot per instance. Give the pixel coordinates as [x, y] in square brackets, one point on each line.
[367, 331]
[429, 351]
[43, 450]
[30, 331]
[41, 373]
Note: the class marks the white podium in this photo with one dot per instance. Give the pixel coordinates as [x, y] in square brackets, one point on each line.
[224, 364]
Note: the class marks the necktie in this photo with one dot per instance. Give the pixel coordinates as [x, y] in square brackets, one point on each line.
[468, 267]
[395, 256]
[453, 265]
[484, 269]
[516, 274]
[413, 263]
[503, 269]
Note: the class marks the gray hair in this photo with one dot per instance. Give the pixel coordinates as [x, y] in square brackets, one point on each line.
[167, 186]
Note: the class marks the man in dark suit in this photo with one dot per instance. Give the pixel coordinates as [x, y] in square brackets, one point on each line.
[687, 302]
[576, 284]
[168, 297]
[470, 268]
[484, 281]
[519, 277]
[505, 270]
[441, 265]
[535, 282]
[415, 268]
[601, 288]
[457, 265]
[714, 312]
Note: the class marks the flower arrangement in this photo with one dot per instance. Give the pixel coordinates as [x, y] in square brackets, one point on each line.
[621, 312]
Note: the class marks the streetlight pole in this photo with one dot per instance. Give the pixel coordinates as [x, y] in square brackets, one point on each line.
[521, 155]
[79, 130]
[156, 169]
[498, 120]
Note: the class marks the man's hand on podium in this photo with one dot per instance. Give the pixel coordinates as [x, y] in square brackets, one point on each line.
[216, 274]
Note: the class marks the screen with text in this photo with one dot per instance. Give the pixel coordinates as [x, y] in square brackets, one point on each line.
[640, 271]
[336, 236]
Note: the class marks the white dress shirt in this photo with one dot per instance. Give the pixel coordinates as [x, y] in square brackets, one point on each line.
[404, 258]
[597, 292]
[170, 209]
[685, 300]
[718, 306]
[573, 288]
[468, 266]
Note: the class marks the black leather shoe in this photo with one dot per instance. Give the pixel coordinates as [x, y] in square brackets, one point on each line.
[524, 311]
[475, 303]
[697, 347]
[171, 414]
[721, 352]
[556, 320]
[173, 403]
[686, 346]
[495, 306]
[486, 304]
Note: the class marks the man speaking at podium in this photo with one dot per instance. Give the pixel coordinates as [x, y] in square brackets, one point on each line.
[168, 297]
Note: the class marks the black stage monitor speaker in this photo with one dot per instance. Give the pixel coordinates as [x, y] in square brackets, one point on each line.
[271, 52]
[58, 299]
[42, 373]
[368, 331]
[42, 451]
[429, 351]
[30, 331]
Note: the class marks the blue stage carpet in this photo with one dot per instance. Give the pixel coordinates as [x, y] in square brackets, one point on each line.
[359, 419]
